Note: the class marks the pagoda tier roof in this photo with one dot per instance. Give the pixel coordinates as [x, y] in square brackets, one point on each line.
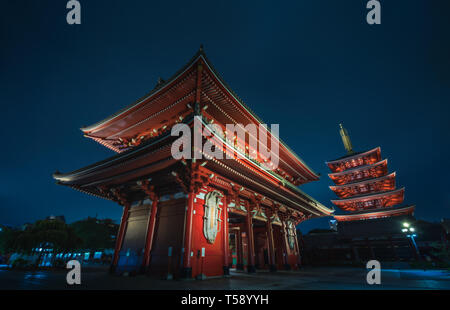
[371, 196]
[355, 160]
[379, 200]
[171, 101]
[371, 214]
[373, 185]
[360, 168]
[363, 182]
[154, 158]
[376, 150]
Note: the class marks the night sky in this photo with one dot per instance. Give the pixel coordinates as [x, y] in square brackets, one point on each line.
[307, 65]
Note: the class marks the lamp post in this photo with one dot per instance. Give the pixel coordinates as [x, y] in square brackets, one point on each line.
[409, 231]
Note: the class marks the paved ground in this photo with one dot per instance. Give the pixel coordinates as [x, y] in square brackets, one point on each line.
[306, 279]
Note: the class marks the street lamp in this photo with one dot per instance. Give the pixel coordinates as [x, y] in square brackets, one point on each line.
[408, 230]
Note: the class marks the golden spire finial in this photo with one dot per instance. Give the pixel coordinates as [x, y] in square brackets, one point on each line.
[346, 139]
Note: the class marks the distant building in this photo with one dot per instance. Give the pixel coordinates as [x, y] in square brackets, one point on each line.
[445, 232]
[58, 217]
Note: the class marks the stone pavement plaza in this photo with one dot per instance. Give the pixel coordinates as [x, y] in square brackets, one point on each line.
[309, 278]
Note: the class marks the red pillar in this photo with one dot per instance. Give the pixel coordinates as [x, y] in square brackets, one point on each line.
[120, 236]
[187, 262]
[226, 244]
[272, 265]
[150, 234]
[239, 249]
[285, 246]
[251, 244]
[299, 258]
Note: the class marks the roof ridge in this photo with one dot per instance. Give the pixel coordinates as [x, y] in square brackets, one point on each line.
[367, 195]
[360, 181]
[343, 172]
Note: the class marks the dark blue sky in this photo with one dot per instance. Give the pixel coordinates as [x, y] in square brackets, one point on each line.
[306, 65]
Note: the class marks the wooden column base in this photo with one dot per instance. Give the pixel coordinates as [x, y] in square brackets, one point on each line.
[186, 273]
[144, 270]
[112, 269]
[240, 266]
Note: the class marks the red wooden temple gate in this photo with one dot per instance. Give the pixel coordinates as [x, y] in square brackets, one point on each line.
[178, 214]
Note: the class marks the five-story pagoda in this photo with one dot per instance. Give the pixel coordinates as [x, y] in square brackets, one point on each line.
[365, 188]
[372, 214]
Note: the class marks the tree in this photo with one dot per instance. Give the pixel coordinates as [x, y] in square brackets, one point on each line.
[7, 237]
[95, 233]
[50, 233]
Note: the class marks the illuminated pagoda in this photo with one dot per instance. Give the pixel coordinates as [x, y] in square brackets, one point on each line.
[195, 218]
[365, 188]
[371, 217]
